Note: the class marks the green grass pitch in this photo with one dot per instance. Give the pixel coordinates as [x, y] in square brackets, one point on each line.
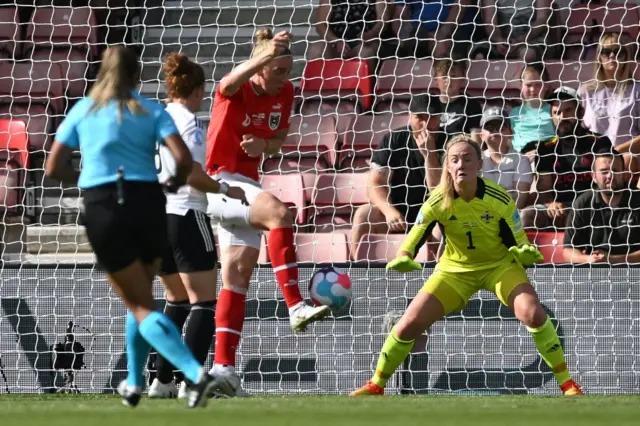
[99, 410]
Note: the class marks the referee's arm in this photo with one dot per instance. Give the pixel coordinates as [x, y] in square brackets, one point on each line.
[59, 166]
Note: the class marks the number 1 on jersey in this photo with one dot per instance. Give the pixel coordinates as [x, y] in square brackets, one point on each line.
[470, 246]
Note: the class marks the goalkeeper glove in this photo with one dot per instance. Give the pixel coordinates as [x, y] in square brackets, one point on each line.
[527, 255]
[404, 264]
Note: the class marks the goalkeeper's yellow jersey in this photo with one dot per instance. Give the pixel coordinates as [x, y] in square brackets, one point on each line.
[477, 233]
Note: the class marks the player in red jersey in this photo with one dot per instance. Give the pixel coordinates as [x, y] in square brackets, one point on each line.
[249, 118]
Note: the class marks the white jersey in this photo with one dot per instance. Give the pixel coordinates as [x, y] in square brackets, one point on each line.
[190, 128]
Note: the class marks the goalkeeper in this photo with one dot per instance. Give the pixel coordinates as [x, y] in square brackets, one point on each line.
[485, 248]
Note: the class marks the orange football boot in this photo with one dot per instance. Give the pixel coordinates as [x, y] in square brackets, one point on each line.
[571, 388]
[369, 388]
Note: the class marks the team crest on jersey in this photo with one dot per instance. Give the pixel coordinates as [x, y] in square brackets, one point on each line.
[274, 120]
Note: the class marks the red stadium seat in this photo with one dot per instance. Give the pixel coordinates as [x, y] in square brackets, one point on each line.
[570, 73]
[549, 244]
[9, 33]
[366, 133]
[32, 92]
[14, 162]
[310, 146]
[288, 189]
[337, 79]
[490, 79]
[68, 37]
[322, 247]
[398, 79]
[336, 196]
[383, 248]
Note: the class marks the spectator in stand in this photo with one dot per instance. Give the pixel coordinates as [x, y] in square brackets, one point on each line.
[563, 163]
[433, 27]
[349, 28]
[612, 100]
[461, 114]
[605, 223]
[403, 167]
[500, 162]
[531, 121]
[518, 29]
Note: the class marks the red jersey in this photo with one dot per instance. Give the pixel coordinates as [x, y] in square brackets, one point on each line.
[244, 113]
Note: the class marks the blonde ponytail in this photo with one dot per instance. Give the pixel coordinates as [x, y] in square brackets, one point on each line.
[118, 76]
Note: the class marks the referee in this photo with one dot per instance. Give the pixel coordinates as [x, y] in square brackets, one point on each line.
[116, 131]
[188, 272]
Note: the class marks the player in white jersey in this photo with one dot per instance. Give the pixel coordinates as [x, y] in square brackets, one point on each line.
[188, 270]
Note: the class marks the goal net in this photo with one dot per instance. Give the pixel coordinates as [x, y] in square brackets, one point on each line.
[62, 328]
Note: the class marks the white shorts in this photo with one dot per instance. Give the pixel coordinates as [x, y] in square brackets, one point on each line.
[232, 216]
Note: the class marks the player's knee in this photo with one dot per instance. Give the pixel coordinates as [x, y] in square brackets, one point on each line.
[529, 311]
[281, 216]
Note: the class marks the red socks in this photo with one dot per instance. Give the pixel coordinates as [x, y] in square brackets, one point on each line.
[282, 252]
[229, 322]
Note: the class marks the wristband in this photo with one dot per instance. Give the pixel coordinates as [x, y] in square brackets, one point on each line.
[224, 188]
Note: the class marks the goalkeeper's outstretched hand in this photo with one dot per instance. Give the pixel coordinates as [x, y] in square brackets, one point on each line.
[527, 255]
[404, 264]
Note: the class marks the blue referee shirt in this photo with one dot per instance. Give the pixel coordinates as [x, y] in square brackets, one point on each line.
[107, 144]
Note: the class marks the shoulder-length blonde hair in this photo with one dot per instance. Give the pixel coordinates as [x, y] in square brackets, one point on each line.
[118, 76]
[446, 181]
[624, 73]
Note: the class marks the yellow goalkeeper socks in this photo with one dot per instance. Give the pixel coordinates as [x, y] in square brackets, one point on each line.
[394, 351]
[548, 344]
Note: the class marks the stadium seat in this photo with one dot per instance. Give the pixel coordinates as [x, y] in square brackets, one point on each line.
[570, 73]
[336, 80]
[288, 189]
[549, 244]
[322, 247]
[335, 197]
[14, 162]
[10, 36]
[585, 23]
[65, 36]
[398, 79]
[383, 248]
[32, 92]
[490, 79]
[310, 146]
[367, 132]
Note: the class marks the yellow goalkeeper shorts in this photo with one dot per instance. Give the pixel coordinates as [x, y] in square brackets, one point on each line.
[454, 289]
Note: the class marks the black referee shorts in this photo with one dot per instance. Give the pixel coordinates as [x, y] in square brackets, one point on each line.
[192, 247]
[123, 233]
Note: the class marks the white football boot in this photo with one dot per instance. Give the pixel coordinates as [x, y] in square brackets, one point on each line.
[230, 383]
[162, 390]
[302, 315]
[130, 394]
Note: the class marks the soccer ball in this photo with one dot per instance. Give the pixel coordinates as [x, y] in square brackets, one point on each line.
[330, 287]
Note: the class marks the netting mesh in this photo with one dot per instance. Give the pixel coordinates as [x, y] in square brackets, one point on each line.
[357, 66]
